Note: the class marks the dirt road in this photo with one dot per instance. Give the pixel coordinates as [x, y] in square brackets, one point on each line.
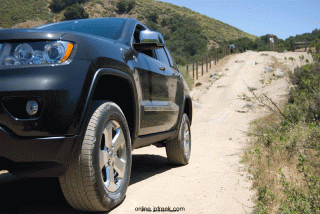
[214, 181]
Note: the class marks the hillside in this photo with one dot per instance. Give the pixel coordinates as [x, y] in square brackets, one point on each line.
[188, 33]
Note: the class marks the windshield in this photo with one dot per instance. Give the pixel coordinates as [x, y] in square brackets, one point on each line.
[106, 27]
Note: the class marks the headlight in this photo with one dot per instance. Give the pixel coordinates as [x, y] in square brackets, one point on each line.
[35, 53]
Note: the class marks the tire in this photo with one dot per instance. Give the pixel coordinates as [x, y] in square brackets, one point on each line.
[179, 149]
[98, 179]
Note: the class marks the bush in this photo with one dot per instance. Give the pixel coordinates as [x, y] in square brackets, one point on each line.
[124, 6]
[75, 12]
[130, 6]
[59, 5]
[153, 17]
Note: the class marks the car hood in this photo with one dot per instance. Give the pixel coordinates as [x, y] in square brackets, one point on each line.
[29, 34]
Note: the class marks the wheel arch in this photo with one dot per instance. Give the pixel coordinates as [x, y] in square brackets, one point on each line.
[106, 80]
[188, 107]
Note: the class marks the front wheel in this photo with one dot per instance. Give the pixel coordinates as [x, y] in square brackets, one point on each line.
[98, 179]
[179, 149]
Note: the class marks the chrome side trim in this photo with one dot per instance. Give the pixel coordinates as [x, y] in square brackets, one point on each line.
[149, 106]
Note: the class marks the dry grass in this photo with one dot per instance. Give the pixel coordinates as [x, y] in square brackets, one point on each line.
[277, 64]
[264, 161]
[275, 149]
[30, 24]
[283, 158]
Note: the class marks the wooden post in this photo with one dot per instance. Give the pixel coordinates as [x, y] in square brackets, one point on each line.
[306, 46]
[187, 69]
[202, 66]
[206, 64]
[210, 60]
[193, 70]
[217, 56]
[197, 68]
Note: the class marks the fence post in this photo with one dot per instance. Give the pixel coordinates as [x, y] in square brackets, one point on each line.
[197, 68]
[217, 56]
[206, 64]
[193, 70]
[187, 69]
[306, 46]
[202, 66]
[210, 60]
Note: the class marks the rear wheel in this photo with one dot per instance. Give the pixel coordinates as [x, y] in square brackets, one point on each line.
[179, 149]
[98, 179]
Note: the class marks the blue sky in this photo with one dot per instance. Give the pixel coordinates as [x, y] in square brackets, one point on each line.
[279, 17]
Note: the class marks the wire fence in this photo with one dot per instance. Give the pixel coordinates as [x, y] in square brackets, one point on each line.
[199, 67]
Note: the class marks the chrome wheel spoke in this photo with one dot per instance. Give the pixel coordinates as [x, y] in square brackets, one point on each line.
[108, 135]
[119, 166]
[187, 136]
[104, 158]
[111, 185]
[118, 140]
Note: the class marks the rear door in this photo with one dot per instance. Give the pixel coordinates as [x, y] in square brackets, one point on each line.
[164, 81]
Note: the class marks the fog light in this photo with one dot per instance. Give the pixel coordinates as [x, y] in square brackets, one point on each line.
[32, 107]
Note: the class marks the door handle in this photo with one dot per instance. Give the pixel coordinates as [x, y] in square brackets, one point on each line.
[162, 68]
[177, 74]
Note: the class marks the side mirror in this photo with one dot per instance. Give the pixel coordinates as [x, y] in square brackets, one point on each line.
[149, 40]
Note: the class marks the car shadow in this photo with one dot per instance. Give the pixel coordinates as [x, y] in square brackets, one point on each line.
[44, 195]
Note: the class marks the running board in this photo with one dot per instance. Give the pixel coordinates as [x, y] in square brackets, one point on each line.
[147, 140]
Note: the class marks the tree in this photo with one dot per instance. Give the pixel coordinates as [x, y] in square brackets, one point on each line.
[153, 17]
[59, 5]
[75, 12]
[131, 4]
[122, 6]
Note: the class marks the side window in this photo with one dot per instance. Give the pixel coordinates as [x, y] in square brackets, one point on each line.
[172, 62]
[162, 56]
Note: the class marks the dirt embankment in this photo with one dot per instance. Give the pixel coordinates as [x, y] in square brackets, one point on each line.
[214, 181]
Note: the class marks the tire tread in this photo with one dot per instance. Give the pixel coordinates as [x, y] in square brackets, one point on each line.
[77, 183]
[175, 149]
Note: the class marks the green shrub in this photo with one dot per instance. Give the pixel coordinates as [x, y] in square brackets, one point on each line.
[59, 5]
[297, 200]
[130, 6]
[75, 12]
[140, 17]
[125, 6]
[153, 17]
[122, 6]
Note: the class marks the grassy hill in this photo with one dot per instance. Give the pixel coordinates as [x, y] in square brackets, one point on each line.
[188, 33]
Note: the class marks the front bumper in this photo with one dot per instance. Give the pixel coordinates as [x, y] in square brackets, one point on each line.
[59, 90]
[52, 149]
